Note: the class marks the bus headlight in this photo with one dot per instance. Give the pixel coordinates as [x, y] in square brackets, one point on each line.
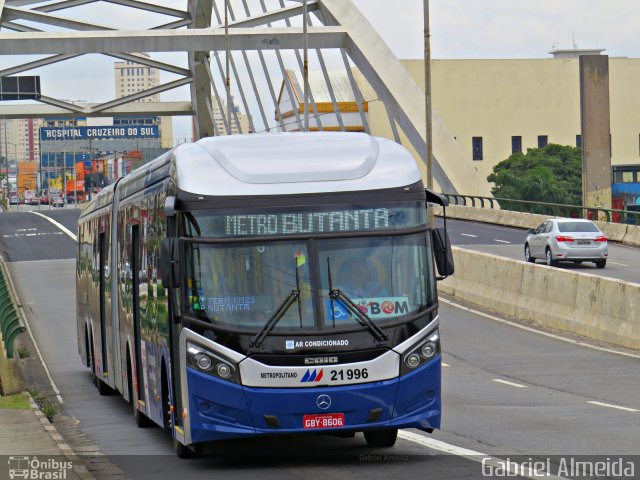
[428, 350]
[211, 363]
[203, 361]
[421, 353]
[223, 370]
[412, 361]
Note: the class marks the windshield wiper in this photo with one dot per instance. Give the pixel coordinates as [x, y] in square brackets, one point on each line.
[363, 318]
[259, 337]
[294, 296]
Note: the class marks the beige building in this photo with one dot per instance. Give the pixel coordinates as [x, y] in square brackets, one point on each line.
[19, 140]
[502, 106]
[131, 78]
[239, 121]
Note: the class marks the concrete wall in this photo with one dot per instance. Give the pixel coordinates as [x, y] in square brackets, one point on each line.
[591, 306]
[498, 99]
[9, 374]
[624, 97]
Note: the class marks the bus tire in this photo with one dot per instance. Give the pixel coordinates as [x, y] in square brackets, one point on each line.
[381, 438]
[187, 451]
[103, 388]
[94, 377]
[142, 421]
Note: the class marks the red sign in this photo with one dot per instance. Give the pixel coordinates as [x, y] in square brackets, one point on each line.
[323, 420]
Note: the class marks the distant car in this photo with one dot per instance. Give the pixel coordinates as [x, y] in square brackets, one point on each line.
[57, 202]
[14, 200]
[34, 201]
[567, 240]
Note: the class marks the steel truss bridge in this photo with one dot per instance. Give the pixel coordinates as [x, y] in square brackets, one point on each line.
[265, 40]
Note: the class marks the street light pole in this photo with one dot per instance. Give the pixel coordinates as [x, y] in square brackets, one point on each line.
[228, 64]
[6, 158]
[427, 96]
[305, 66]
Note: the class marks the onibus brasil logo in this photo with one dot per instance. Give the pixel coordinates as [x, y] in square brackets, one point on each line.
[35, 469]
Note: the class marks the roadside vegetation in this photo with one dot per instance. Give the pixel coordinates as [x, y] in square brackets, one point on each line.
[48, 408]
[14, 402]
[552, 174]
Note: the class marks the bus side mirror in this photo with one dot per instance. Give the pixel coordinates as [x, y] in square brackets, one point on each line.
[442, 252]
[169, 263]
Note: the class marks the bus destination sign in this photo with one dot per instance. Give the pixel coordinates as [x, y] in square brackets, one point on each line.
[305, 223]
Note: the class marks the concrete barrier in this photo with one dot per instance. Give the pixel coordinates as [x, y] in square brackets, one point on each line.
[617, 232]
[490, 215]
[10, 376]
[632, 237]
[595, 307]
[614, 231]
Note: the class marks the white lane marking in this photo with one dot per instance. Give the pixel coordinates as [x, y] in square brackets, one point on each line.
[509, 383]
[445, 364]
[618, 407]
[521, 470]
[469, 235]
[614, 263]
[539, 332]
[59, 225]
[501, 241]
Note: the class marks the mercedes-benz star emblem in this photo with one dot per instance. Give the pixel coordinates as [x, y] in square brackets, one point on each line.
[323, 402]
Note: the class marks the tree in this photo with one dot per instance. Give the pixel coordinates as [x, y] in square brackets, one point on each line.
[552, 174]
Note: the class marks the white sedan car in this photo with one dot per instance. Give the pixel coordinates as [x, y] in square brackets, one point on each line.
[567, 240]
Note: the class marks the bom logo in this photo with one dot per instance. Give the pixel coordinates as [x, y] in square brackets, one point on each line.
[386, 307]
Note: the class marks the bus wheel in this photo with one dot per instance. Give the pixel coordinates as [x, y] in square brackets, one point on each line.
[187, 451]
[103, 388]
[94, 377]
[381, 438]
[142, 421]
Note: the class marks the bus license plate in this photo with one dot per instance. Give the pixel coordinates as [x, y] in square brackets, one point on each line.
[324, 420]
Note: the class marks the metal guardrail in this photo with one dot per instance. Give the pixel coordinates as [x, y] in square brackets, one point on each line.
[576, 211]
[11, 323]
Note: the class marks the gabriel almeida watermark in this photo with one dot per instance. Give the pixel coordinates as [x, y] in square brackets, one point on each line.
[34, 468]
[607, 467]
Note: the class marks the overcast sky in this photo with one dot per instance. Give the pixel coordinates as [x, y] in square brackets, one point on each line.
[506, 28]
[459, 29]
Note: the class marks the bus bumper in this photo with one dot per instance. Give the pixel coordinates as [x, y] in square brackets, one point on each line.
[220, 410]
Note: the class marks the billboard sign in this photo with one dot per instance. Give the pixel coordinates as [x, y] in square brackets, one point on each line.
[100, 133]
[20, 88]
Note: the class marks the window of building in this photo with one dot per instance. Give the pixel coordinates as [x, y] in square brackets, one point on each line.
[516, 144]
[543, 140]
[579, 141]
[476, 145]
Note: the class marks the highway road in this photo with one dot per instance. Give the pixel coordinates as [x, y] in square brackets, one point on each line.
[507, 390]
[623, 262]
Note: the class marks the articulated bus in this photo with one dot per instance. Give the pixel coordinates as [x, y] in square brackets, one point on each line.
[266, 285]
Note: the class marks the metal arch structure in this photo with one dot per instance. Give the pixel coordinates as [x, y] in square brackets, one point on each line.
[265, 38]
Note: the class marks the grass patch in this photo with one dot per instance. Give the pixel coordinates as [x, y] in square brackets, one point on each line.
[14, 402]
[48, 408]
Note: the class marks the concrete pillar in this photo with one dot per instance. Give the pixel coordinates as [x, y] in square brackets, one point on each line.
[596, 136]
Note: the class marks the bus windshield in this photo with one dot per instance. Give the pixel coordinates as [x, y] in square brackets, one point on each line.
[244, 285]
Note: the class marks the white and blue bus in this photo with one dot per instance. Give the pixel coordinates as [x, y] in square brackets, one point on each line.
[266, 284]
